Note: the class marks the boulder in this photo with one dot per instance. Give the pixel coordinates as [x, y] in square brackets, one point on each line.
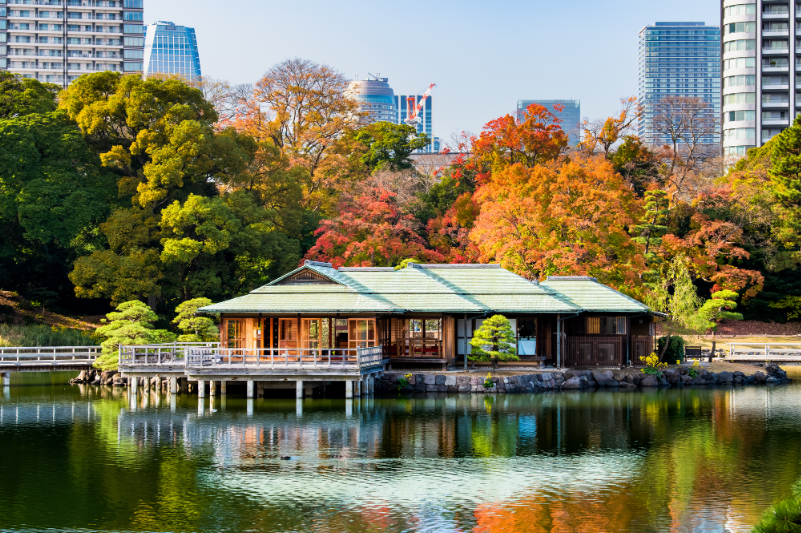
[698, 380]
[739, 374]
[686, 379]
[772, 369]
[571, 372]
[572, 383]
[649, 380]
[430, 379]
[759, 378]
[772, 379]
[725, 377]
[439, 380]
[545, 376]
[450, 381]
[619, 375]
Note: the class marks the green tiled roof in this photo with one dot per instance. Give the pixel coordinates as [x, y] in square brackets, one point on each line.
[473, 289]
[590, 295]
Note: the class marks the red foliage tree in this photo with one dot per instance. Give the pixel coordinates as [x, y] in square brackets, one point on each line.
[371, 231]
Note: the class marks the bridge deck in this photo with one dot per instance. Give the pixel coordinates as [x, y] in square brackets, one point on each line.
[47, 358]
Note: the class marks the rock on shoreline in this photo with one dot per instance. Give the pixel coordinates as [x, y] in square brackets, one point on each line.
[576, 380]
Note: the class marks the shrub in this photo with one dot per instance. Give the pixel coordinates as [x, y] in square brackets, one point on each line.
[403, 381]
[675, 350]
[488, 384]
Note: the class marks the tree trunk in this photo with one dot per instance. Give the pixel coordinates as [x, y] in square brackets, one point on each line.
[712, 351]
[494, 364]
[664, 348]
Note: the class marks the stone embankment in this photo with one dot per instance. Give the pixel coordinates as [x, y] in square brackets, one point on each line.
[575, 380]
[96, 377]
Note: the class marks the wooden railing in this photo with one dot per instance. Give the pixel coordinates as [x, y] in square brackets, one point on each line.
[418, 348]
[49, 355]
[212, 355]
[167, 354]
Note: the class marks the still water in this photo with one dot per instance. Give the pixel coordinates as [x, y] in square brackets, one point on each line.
[89, 459]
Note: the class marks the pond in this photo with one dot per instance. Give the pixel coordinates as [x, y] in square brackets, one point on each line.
[87, 458]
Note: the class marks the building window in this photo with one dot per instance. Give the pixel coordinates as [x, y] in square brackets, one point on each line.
[133, 4]
[133, 28]
[134, 41]
[133, 67]
[133, 54]
[606, 325]
[132, 15]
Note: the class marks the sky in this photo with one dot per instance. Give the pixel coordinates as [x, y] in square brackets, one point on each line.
[483, 56]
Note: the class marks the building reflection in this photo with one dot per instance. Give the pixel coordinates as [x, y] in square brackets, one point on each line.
[614, 461]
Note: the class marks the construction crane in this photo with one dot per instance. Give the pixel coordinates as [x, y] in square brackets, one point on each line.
[413, 118]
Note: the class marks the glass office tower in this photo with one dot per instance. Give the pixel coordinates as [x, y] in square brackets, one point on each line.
[375, 97]
[56, 41]
[426, 116]
[761, 64]
[570, 115]
[171, 49]
[678, 59]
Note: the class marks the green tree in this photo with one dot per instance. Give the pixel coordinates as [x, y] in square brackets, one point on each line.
[785, 172]
[675, 297]
[53, 193]
[132, 323]
[156, 134]
[195, 328]
[494, 341]
[720, 307]
[388, 146]
[650, 230]
[24, 96]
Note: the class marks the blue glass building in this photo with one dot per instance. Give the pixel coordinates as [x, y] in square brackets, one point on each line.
[570, 116]
[678, 59]
[375, 97]
[426, 115]
[171, 49]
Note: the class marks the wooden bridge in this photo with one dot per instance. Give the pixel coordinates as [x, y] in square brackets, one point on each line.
[46, 359]
[303, 368]
[764, 352]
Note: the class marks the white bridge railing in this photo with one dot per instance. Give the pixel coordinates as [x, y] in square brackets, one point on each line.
[750, 351]
[212, 355]
[48, 355]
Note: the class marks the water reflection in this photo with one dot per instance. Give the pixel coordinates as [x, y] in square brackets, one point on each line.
[689, 460]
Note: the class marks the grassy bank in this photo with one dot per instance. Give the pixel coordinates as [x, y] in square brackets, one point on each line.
[44, 335]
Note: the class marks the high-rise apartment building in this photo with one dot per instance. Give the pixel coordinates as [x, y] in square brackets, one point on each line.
[761, 70]
[426, 116]
[678, 59]
[58, 40]
[570, 115]
[375, 97]
[171, 49]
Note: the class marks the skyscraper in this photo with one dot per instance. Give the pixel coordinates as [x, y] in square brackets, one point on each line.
[171, 49]
[760, 71]
[570, 115]
[376, 98]
[53, 42]
[426, 124]
[678, 59]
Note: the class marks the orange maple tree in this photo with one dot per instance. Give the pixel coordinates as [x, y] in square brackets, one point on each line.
[569, 216]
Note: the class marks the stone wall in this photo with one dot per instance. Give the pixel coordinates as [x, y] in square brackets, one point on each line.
[575, 380]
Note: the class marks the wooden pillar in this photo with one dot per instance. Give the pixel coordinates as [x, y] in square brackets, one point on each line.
[173, 385]
[133, 381]
[222, 387]
[212, 388]
[201, 388]
[358, 386]
[6, 379]
[299, 389]
[271, 333]
[349, 389]
[250, 383]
